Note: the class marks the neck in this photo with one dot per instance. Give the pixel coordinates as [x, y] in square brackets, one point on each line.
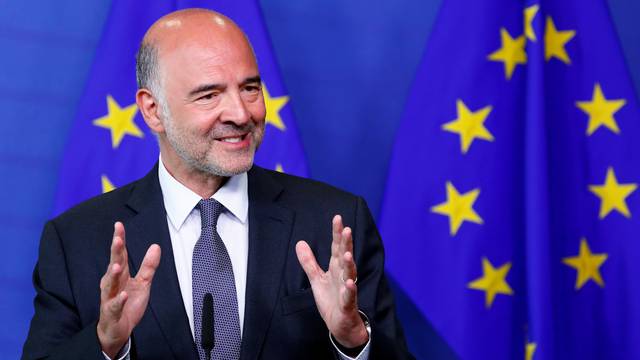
[202, 183]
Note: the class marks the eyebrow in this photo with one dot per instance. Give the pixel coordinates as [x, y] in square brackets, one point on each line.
[209, 87]
[253, 79]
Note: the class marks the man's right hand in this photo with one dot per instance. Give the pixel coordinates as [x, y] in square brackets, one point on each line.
[123, 299]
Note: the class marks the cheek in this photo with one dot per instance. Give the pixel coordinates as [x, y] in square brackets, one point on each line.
[195, 122]
[258, 112]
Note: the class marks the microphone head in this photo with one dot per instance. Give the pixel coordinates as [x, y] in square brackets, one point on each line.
[207, 337]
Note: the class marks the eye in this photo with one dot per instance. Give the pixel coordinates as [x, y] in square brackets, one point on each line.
[206, 98]
[252, 88]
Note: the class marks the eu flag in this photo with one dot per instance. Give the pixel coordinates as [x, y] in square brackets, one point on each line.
[511, 217]
[110, 145]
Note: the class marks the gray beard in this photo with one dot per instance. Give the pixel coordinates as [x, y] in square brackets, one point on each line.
[199, 163]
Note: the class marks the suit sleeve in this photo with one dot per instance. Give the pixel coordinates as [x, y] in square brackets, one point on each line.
[374, 295]
[56, 331]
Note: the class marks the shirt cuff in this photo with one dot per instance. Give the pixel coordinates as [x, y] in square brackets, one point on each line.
[364, 353]
[123, 354]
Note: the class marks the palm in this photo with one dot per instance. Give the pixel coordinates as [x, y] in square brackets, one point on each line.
[134, 308]
[327, 293]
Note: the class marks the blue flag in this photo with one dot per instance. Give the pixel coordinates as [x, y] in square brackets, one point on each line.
[110, 145]
[511, 216]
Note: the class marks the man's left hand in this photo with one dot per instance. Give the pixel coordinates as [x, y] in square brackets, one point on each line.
[335, 290]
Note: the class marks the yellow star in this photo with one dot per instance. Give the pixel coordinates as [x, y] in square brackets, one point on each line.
[529, 14]
[587, 265]
[273, 108]
[613, 194]
[469, 125]
[492, 282]
[458, 208]
[601, 111]
[555, 41]
[107, 185]
[530, 350]
[279, 168]
[511, 53]
[119, 121]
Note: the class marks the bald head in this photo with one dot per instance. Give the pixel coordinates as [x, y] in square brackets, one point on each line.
[178, 30]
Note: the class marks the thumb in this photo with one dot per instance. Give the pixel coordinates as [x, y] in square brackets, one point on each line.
[149, 264]
[308, 260]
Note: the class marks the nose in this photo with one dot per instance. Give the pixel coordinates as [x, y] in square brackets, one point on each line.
[235, 110]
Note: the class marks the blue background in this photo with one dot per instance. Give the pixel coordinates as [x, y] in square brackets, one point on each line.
[348, 67]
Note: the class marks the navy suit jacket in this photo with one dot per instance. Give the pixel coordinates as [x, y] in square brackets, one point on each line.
[281, 319]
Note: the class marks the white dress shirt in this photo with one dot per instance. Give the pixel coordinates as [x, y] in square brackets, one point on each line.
[183, 218]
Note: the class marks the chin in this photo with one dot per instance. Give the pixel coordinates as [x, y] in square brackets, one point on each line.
[230, 166]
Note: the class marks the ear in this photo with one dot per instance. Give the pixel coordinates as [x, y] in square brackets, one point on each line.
[150, 110]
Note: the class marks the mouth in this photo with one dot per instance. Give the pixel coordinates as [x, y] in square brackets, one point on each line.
[236, 141]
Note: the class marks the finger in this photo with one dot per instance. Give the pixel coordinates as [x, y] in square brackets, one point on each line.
[110, 282]
[150, 263]
[115, 306]
[347, 239]
[308, 261]
[337, 228]
[349, 269]
[346, 245]
[118, 245]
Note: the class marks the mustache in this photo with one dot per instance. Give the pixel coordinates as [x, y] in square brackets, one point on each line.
[231, 129]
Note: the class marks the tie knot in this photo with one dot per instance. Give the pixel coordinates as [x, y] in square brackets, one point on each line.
[210, 210]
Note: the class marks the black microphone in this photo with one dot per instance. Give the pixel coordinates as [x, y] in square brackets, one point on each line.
[207, 339]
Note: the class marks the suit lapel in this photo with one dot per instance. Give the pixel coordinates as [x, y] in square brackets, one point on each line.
[147, 227]
[270, 227]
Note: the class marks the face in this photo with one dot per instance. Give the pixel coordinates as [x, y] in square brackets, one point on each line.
[212, 108]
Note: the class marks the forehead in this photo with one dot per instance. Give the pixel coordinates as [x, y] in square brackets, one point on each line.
[206, 54]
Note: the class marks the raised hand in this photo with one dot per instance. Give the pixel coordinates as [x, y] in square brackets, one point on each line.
[123, 299]
[335, 290]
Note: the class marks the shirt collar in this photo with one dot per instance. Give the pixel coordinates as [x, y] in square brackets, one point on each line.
[179, 200]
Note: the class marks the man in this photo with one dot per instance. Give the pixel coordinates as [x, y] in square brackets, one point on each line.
[227, 230]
